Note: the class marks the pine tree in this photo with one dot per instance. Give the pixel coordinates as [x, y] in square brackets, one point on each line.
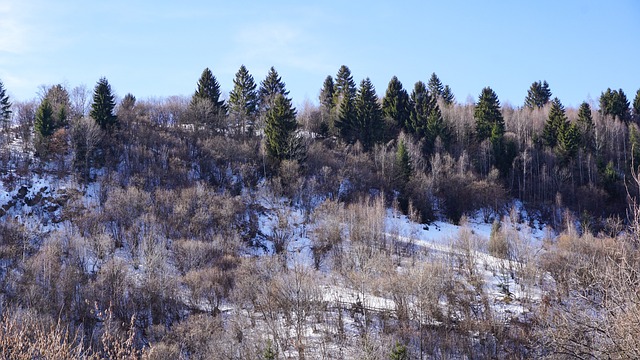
[419, 103]
[614, 103]
[58, 97]
[395, 104]
[585, 125]
[344, 95]
[447, 96]
[368, 115]
[5, 105]
[270, 88]
[538, 95]
[636, 105]
[209, 88]
[555, 125]
[45, 124]
[435, 86]
[103, 105]
[280, 129]
[568, 141]
[435, 128]
[634, 144]
[243, 99]
[487, 114]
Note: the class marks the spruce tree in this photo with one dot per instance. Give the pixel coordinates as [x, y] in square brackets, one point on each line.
[419, 102]
[636, 106]
[435, 86]
[585, 125]
[270, 88]
[435, 128]
[209, 88]
[555, 125]
[403, 165]
[488, 116]
[344, 94]
[58, 97]
[395, 104]
[280, 129]
[326, 95]
[568, 141]
[614, 103]
[447, 96]
[103, 105]
[368, 115]
[344, 87]
[5, 106]
[538, 95]
[243, 99]
[45, 124]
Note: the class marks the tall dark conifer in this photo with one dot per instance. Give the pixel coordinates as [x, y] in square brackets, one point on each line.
[209, 88]
[395, 104]
[447, 96]
[326, 95]
[614, 103]
[585, 125]
[636, 106]
[555, 125]
[436, 89]
[280, 127]
[538, 95]
[102, 108]
[270, 88]
[243, 99]
[489, 120]
[344, 101]
[368, 115]
[5, 105]
[45, 123]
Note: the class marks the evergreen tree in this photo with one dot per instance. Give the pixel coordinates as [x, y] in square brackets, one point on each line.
[344, 87]
[344, 95]
[568, 141]
[538, 95]
[209, 88]
[614, 103]
[270, 88]
[128, 102]
[5, 105]
[487, 114]
[585, 125]
[103, 105]
[435, 86]
[280, 129]
[243, 99]
[447, 96]
[435, 128]
[636, 106]
[403, 165]
[58, 97]
[395, 105]
[399, 352]
[555, 125]
[634, 143]
[369, 124]
[419, 102]
[45, 124]
[326, 95]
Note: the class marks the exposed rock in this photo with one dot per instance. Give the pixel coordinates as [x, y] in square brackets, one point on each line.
[22, 192]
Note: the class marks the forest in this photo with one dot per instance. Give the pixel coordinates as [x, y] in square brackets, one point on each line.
[401, 224]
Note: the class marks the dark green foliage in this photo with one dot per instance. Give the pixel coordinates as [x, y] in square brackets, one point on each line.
[569, 141]
[45, 123]
[326, 94]
[395, 105]
[555, 125]
[425, 119]
[270, 88]
[636, 106]
[488, 116]
[403, 165]
[447, 96]
[538, 95]
[344, 87]
[209, 88]
[435, 86]
[280, 129]
[585, 125]
[269, 353]
[368, 115]
[399, 352]
[614, 103]
[103, 105]
[5, 105]
[243, 98]
[344, 95]
[58, 96]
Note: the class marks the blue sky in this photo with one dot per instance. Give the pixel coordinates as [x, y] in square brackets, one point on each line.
[159, 48]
